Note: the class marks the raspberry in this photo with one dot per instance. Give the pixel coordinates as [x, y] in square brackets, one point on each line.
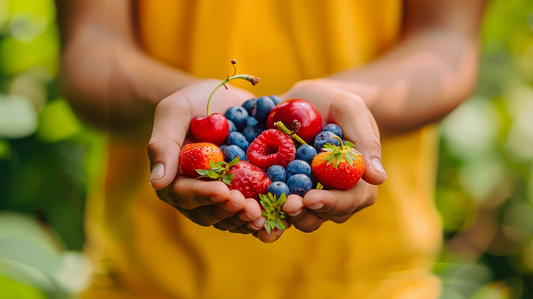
[249, 179]
[272, 147]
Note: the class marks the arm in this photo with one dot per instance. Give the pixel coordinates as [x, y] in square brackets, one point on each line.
[431, 70]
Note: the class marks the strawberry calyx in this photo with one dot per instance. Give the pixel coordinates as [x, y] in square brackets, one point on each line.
[272, 211]
[219, 171]
[342, 152]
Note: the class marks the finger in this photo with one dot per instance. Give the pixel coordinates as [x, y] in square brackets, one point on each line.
[271, 237]
[188, 193]
[338, 205]
[301, 217]
[361, 131]
[249, 213]
[171, 122]
[213, 214]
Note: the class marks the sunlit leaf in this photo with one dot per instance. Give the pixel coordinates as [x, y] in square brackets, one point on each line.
[57, 122]
[17, 116]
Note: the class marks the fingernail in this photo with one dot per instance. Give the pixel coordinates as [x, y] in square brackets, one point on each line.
[317, 206]
[298, 212]
[378, 167]
[217, 198]
[158, 172]
[236, 205]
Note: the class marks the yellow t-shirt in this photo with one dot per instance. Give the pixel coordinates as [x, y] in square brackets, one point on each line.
[144, 248]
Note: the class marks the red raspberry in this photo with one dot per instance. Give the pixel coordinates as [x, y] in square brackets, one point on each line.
[272, 147]
[249, 179]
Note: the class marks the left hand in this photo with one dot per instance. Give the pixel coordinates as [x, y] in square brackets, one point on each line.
[350, 112]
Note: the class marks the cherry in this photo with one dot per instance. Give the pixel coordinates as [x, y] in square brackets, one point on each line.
[301, 111]
[214, 128]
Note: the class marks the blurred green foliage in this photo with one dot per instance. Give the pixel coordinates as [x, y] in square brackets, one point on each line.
[484, 189]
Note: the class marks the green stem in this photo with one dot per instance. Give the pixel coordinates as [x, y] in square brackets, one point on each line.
[244, 77]
[281, 126]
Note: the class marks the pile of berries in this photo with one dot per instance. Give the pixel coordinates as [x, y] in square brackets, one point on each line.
[268, 148]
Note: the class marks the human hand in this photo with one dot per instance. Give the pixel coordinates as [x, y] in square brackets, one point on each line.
[350, 112]
[204, 202]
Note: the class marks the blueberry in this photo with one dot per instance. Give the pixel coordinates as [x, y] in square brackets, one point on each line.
[278, 188]
[251, 121]
[233, 151]
[250, 133]
[276, 99]
[306, 152]
[263, 107]
[299, 184]
[238, 115]
[250, 106]
[298, 167]
[276, 173]
[232, 127]
[323, 138]
[223, 148]
[333, 128]
[236, 138]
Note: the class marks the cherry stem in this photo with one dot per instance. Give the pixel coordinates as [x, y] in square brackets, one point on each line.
[281, 126]
[250, 78]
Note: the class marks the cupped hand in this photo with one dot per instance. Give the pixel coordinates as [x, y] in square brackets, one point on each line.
[204, 202]
[350, 112]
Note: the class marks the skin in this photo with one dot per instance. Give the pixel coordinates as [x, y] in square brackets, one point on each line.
[431, 70]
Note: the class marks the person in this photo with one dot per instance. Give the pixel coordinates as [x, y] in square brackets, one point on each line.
[139, 71]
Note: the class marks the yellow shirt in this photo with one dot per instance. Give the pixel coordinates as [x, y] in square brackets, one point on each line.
[143, 247]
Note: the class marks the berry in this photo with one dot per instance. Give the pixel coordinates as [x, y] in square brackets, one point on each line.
[278, 188]
[333, 128]
[276, 173]
[223, 148]
[306, 114]
[276, 99]
[299, 184]
[325, 137]
[249, 179]
[231, 126]
[234, 151]
[271, 147]
[338, 167]
[238, 115]
[263, 107]
[251, 121]
[298, 167]
[197, 155]
[306, 152]
[236, 138]
[249, 105]
[213, 128]
[250, 133]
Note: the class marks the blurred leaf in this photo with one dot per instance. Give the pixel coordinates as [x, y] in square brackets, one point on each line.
[5, 151]
[4, 14]
[14, 289]
[17, 117]
[57, 122]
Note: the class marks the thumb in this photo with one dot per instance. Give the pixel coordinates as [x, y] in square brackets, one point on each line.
[168, 135]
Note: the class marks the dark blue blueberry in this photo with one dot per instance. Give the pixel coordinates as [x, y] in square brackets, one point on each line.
[299, 184]
[276, 173]
[250, 106]
[251, 121]
[278, 188]
[223, 148]
[233, 151]
[250, 133]
[264, 106]
[323, 138]
[298, 167]
[238, 115]
[333, 128]
[232, 127]
[236, 138]
[276, 99]
[306, 152]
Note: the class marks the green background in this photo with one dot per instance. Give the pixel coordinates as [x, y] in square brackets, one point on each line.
[484, 189]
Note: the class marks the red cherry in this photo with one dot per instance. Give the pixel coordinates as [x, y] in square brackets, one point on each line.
[213, 128]
[302, 111]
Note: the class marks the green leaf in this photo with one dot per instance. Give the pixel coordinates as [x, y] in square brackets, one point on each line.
[349, 144]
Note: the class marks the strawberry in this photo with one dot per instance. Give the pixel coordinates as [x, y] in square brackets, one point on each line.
[338, 167]
[249, 179]
[198, 156]
[272, 147]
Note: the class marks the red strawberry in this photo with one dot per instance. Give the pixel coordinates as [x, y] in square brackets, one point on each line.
[338, 167]
[249, 179]
[271, 147]
[198, 155]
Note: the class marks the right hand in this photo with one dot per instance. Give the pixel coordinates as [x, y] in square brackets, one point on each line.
[204, 202]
